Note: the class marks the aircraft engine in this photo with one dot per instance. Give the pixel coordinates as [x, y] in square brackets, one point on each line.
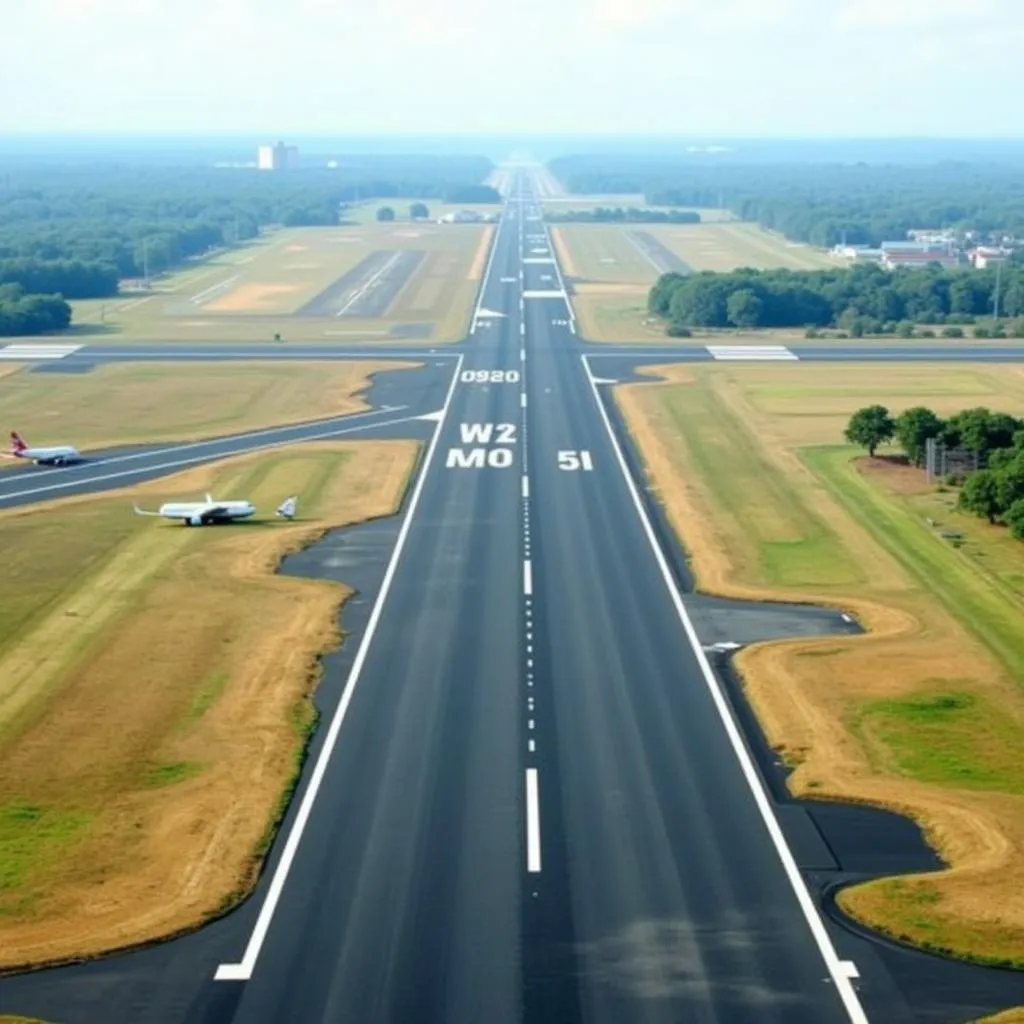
[196, 520]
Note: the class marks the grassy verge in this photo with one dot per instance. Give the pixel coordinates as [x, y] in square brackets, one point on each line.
[162, 402]
[924, 714]
[155, 695]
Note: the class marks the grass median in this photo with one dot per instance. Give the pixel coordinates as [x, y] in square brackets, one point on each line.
[924, 714]
[155, 686]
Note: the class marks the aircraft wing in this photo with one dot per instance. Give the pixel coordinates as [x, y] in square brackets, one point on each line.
[143, 512]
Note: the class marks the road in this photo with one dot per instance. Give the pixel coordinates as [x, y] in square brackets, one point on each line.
[529, 801]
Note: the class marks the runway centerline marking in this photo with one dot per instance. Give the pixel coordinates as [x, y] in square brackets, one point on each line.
[527, 576]
[837, 970]
[532, 822]
[243, 970]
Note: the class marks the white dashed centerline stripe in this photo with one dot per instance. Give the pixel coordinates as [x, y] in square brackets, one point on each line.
[527, 576]
[522, 400]
[526, 486]
[243, 970]
[532, 822]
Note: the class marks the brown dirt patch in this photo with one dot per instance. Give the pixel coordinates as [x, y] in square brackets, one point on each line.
[252, 298]
[564, 253]
[894, 475]
[483, 249]
[295, 248]
[158, 859]
[611, 288]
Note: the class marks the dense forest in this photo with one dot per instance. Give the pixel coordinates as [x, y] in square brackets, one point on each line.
[823, 204]
[77, 230]
[622, 215]
[31, 314]
[995, 492]
[864, 299]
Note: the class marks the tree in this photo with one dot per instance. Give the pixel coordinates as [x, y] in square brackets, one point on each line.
[980, 495]
[913, 428]
[744, 308]
[1015, 519]
[419, 211]
[385, 213]
[869, 427]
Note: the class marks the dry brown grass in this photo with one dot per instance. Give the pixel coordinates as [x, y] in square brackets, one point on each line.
[171, 732]
[1014, 1016]
[256, 297]
[914, 646]
[122, 402]
[563, 253]
[476, 268]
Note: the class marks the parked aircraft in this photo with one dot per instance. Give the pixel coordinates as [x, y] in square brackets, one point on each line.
[203, 513]
[287, 507]
[57, 455]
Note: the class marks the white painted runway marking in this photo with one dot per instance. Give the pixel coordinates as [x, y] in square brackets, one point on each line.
[532, 822]
[522, 355]
[369, 283]
[206, 292]
[755, 352]
[243, 970]
[527, 577]
[27, 352]
[522, 399]
[845, 989]
[526, 486]
[548, 293]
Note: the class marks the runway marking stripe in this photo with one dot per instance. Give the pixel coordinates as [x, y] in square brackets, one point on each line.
[532, 822]
[547, 293]
[527, 577]
[27, 351]
[483, 281]
[526, 486]
[761, 352]
[839, 972]
[243, 970]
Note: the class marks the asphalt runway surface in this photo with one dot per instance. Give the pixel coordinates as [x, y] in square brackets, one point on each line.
[536, 794]
[661, 257]
[368, 289]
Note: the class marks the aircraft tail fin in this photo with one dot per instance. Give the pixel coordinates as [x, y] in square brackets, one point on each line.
[17, 443]
[288, 507]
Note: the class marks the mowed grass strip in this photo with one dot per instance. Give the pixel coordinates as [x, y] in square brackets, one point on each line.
[148, 752]
[925, 713]
[122, 403]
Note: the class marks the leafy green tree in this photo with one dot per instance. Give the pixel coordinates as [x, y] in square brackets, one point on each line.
[869, 427]
[913, 428]
[419, 211]
[385, 213]
[744, 308]
[1014, 517]
[980, 495]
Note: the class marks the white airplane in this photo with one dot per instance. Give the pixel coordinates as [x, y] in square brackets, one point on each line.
[202, 513]
[287, 507]
[58, 455]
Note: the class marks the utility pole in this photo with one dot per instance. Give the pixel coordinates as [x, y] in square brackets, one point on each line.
[999, 278]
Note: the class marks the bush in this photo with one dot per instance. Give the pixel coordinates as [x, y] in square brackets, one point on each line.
[952, 332]
[981, 332]
[812, 332]
[679, 331]
[927, 333]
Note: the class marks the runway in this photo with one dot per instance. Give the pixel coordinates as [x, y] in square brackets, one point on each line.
[529, 799]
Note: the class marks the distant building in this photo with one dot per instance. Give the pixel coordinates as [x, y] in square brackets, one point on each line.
[461, 217]
[945, 247]
[858, 253]
[984, 257]
[277, 158]
[933, 236]
[893, 258]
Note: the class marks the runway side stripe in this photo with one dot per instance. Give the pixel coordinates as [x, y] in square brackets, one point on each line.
[838, 969]
[243, 970]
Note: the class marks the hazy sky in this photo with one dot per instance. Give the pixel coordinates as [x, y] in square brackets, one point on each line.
[705, 67]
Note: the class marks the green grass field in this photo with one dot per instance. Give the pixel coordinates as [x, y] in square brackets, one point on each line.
[162, 402]
[251, 293]
[928, 712]
[366, 212]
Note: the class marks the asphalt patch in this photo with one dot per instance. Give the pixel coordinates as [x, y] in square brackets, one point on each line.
[660, 255]
[63, 366]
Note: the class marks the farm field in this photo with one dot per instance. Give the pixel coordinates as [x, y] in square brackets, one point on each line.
[155, 688]
[924, 714]
[123, 403]
[610, 268]
[364, 283]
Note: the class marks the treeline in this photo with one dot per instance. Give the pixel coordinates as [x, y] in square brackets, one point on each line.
[141, 219]
[623, 215]
[31, 314]
[821, 204]
[74, 279]
[864, 299]
[995, 491]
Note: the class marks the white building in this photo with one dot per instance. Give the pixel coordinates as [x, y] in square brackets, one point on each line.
[277, 158]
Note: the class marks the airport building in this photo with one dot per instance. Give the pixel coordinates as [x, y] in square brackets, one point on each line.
[277, 158]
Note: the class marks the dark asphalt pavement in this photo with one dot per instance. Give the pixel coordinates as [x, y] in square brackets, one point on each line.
[528, 800]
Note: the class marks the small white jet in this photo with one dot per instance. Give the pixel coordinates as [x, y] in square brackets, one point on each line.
[57, 455]
[288, 507]
[203, 513]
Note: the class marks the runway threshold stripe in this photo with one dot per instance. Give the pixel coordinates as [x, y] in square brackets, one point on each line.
[839, 970]
[243, 970]
[533, 862]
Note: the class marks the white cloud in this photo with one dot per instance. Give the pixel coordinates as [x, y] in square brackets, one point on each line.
[921, 14]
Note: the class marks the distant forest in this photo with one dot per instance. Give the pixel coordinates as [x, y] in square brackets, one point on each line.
[74, 231]
[822, 204]
[864, 299]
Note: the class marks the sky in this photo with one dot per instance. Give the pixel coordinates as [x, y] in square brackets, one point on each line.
[732, 68]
